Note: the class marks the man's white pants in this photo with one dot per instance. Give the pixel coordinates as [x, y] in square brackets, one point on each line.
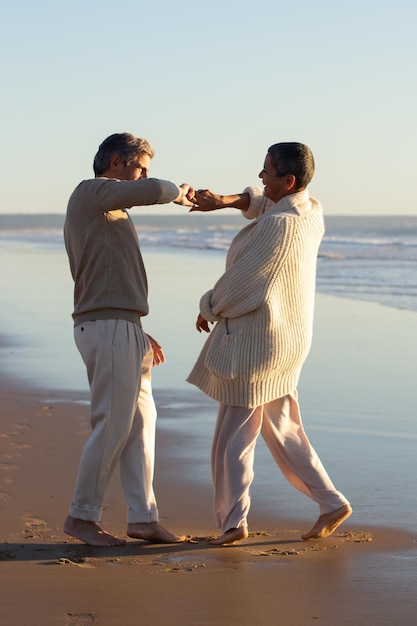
[119, 358]
[233, 449]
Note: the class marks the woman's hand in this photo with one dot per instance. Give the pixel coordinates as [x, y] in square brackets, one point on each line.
[202, 324]
[206, 200]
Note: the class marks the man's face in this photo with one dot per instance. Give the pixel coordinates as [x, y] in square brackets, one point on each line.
[138, 169]
[275, 187]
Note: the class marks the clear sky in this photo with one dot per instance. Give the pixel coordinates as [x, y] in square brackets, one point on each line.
[211, 85]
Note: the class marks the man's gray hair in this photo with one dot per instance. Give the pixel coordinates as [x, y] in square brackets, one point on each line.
[126, 145]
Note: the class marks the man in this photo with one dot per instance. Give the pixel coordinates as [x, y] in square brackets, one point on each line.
[110, 299]
[263, 305]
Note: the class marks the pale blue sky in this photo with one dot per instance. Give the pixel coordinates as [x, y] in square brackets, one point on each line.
[211, 85]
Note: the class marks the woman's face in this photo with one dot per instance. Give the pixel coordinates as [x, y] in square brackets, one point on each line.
[275, 187]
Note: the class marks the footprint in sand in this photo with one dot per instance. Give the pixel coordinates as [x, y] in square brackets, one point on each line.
[20, 446]
[80, 619]
[20, 428]
[77, 562]
[9, 457]
[360, 537]
[8, 466]
[35, 527]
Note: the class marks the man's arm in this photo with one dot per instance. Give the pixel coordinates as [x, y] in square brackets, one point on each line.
[112, 194]
[206, 200]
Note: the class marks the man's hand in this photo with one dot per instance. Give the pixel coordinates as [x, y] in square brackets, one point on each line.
[186, 193]
[206, 200]
[202, 324]
[158, 353]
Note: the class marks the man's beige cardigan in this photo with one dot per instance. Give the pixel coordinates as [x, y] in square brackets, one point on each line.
[263, 304]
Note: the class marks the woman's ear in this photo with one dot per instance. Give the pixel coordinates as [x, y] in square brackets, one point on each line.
[290, 180]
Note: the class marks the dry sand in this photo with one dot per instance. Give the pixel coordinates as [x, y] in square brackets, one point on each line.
[359, 576]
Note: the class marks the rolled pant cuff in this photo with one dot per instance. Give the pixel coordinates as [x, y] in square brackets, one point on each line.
[88, 515]
[142, 517]
[330, 508]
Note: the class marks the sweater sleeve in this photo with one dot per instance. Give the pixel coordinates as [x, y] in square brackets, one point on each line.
[244, 287]
[258, 203]
[112, 194]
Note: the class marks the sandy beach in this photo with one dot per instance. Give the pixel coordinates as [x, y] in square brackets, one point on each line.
[365, 573]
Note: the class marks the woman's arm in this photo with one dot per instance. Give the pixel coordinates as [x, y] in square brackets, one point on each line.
[206, 200]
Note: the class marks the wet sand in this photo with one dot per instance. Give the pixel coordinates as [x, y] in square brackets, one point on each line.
[360, 575]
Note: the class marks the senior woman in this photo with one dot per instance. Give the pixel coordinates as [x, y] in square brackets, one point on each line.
[262, 307]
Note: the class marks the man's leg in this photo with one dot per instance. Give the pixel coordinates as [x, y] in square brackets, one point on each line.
[113, 352]
[237, 429]
[137, 464]
[285, 437]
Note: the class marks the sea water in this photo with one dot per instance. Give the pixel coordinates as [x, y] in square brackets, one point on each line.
[365, 258]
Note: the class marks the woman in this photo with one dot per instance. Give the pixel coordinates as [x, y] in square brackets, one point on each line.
[263, 308]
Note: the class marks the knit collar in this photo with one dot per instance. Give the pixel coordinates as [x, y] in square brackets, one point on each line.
[300, 203]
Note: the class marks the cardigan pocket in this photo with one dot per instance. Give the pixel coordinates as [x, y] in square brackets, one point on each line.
[222, 353]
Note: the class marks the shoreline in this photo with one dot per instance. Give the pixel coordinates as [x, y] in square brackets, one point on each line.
[11, 342]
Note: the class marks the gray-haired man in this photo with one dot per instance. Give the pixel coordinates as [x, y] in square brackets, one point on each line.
[110, 299]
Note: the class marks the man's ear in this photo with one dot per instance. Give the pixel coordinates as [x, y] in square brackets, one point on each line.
[115, 161]
[290, 180]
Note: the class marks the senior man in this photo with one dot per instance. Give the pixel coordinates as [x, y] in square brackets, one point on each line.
[110, 299]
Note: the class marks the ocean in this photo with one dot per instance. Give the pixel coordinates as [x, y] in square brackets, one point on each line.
[361, 257]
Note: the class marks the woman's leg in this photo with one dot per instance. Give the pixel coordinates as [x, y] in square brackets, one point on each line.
[236, 432]
[285, 437]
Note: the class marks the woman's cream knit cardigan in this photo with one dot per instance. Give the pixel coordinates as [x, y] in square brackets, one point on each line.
[263, 304]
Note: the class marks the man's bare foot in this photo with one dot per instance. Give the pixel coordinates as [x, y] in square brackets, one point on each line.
[230, 536]
[153, 531]
[90, 533]
[327, 524]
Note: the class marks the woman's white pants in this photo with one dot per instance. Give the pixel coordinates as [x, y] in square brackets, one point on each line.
[234, 441]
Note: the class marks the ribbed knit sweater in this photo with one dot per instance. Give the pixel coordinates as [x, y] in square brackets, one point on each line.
[263, 304]
[103, 247]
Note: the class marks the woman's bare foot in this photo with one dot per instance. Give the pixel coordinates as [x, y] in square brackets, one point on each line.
[90, 533]
[327, 524]
[230, 536]
[153, 531]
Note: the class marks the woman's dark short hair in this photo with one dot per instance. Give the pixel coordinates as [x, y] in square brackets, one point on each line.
[127, 146]
[293, 158]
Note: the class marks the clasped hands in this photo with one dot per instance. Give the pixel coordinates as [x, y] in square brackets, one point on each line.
[198, 200]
